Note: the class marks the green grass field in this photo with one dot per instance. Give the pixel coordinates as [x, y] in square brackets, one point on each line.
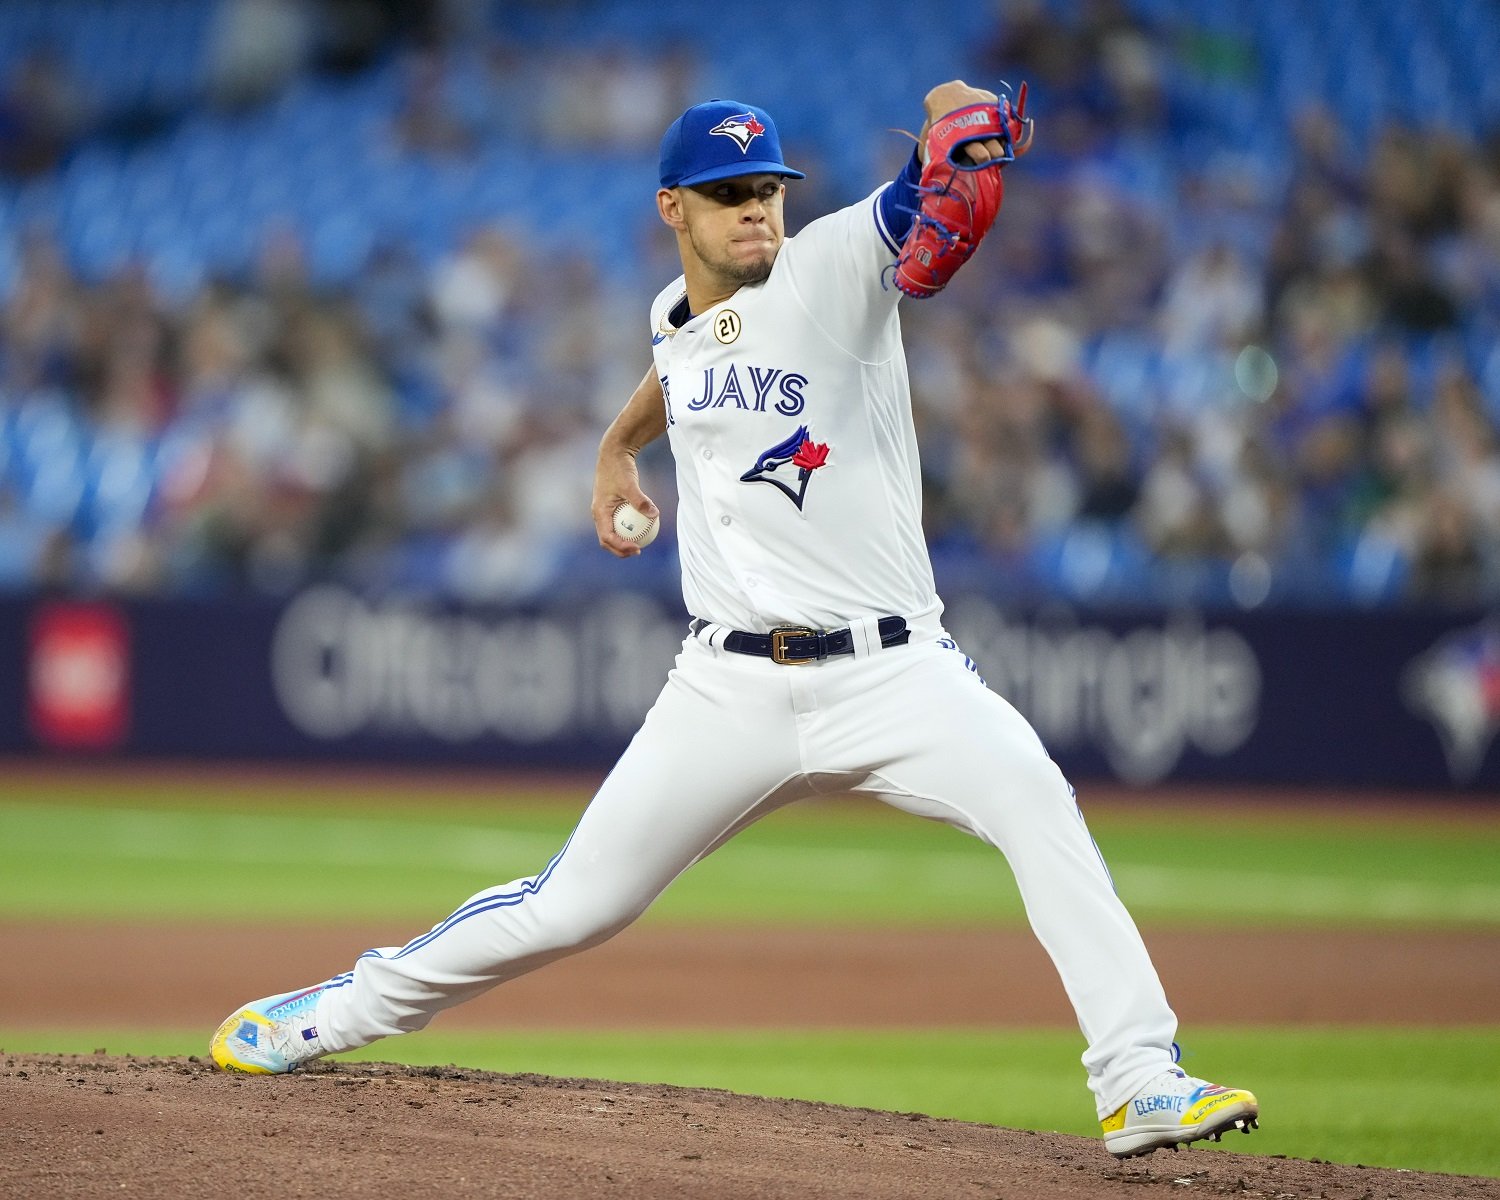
[181, 851]
[1409, 1097]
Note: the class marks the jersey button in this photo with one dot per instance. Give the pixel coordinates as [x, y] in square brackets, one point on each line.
[724, 520]
[707, 453]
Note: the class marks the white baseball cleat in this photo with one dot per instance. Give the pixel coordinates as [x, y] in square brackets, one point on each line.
[1175, 1109]
[270, 1036]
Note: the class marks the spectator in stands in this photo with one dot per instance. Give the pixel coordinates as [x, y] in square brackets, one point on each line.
[1108, 487]
[41, 320]
[1176, 514]
[1449, 566]
[256, 49]
[427, 123]
[1414, 301]
[471, 288]
[43, 111]
[124, 349]
[1212, 302]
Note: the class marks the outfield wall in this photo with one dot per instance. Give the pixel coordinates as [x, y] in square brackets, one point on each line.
[1360, 698]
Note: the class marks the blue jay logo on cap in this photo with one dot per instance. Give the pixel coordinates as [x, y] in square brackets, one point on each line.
[743, 128]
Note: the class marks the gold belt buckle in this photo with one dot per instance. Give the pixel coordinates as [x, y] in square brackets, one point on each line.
[778, 646]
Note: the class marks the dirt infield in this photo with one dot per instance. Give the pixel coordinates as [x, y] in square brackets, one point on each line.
[184, 976]
[170, 1128]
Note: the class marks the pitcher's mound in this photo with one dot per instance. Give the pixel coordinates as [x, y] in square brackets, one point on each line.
[109, 1126]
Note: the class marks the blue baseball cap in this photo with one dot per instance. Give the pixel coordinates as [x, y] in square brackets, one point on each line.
[720, 139]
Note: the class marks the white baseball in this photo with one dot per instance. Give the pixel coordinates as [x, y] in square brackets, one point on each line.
[634, 526]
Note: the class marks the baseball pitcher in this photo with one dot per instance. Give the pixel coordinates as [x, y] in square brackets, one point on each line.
[816, 661]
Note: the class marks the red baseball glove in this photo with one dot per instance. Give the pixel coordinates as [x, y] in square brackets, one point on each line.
[960, 198]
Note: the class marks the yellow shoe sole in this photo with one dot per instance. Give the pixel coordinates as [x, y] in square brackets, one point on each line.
[221, 1045]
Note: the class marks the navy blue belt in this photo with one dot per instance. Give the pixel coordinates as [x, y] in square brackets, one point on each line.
[790, 645]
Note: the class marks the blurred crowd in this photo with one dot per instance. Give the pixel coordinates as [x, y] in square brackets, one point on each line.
[431, 427]
[1251, 390]
[1311, 425]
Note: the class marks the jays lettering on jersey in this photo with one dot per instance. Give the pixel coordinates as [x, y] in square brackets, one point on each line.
[789, 415]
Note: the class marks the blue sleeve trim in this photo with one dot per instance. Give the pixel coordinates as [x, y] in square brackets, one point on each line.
[899, 195]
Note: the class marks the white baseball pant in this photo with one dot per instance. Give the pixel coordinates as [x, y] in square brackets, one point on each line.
[730, 739]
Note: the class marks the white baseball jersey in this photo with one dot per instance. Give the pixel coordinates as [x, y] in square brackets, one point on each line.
[789, 414]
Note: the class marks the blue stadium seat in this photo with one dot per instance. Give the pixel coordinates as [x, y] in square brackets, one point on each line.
[1370, 569]
[118, 482]
[1124, 366]
[50, 471]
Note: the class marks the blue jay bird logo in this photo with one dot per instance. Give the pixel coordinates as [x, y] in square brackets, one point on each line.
[1456, 685]
[744, 129]
[798, 451]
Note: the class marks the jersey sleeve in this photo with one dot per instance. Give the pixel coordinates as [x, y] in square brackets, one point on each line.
[838, 265]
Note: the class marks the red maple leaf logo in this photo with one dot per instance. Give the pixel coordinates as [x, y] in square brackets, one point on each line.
[810, 455]
[754, 127]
